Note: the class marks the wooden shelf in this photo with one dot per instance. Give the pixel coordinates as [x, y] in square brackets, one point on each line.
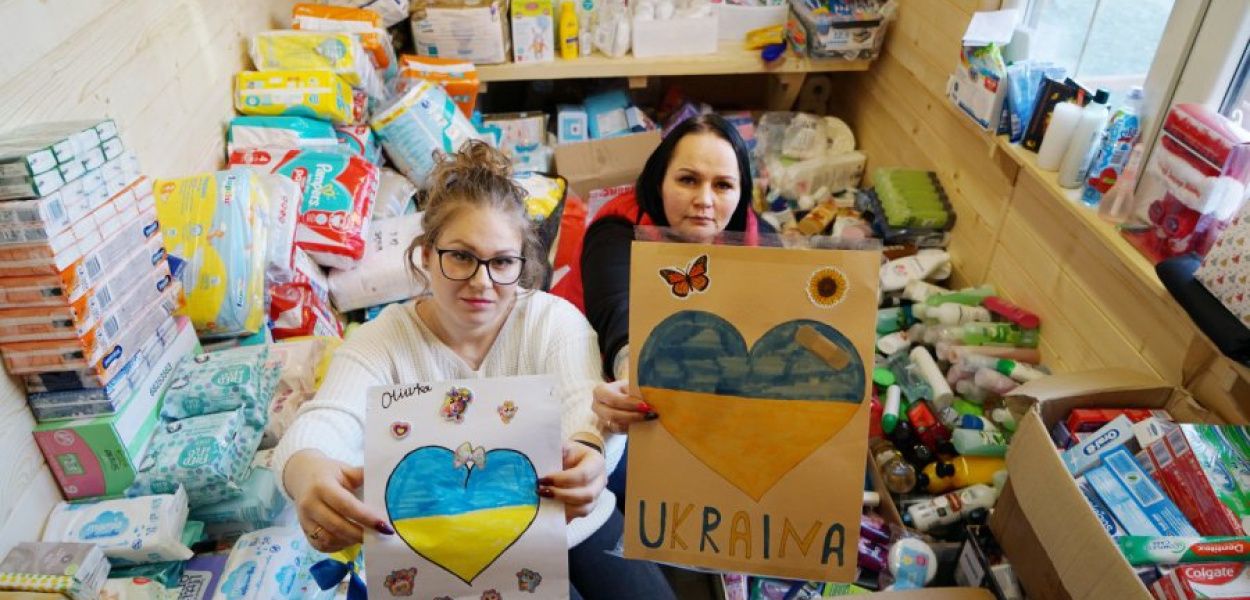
[1136, 262]
[731, 59]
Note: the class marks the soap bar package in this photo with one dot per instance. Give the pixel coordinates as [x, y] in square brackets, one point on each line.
[140, 530]
[77, 570]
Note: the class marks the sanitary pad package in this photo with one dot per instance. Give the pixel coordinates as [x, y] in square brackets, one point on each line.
[279, 132]
[138, 530]
[215, 232]
[418, 123]
[338, 199]
[270, 564]
[338, 52]
[319, 94]
[76, 570]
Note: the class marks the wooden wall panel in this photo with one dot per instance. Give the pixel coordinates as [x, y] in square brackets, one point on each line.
[163, 69]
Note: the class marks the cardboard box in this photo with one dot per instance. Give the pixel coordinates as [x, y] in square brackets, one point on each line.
[597, 164]
[1057, 544]
[99, 457]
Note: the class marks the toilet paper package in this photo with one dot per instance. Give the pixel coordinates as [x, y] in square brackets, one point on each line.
[270, 564]
[418, 123]
[140, 530]
[319, 94]
[220, 381]
[279, 132]
[382, 275]
[208, 455]
[215, 228]
[78, 571]
[298, 50]
[338, 195]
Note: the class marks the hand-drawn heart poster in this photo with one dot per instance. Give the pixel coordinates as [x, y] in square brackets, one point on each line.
[455, 466]
[756, 360]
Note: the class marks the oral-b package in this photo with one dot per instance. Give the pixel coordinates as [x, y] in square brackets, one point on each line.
[216, 237]
[319, 94]
[207, 454]
[220, 381]
[418, 123]
[140, 530]
[338, 195]
[338, 52]
[279, 132]
[270, 564]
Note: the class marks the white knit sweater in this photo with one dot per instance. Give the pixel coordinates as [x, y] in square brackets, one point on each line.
[542, 335]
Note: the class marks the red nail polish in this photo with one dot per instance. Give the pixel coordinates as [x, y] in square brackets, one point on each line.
[383, 528]
[644, 407]
[546, 493]
[545, 481]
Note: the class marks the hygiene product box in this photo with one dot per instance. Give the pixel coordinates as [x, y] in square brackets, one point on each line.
[319, 94]
[1217, 580]
[533, 31]
[847, 33]
[572, 124]
[1088, 453]
[99, 457]
[1058, 545]
[76, 570]
[201, 576]
[1192, 473]
[476, 33]
[1134, 498]
[678, 36]
[979, 85]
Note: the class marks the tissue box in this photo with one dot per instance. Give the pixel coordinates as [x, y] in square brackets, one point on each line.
[477, 33]
[75, 570]
[1225, 270]
[99, 457]
[979, 85]
[679, 36]
[606, 114]
[533, 31]
[572, 124]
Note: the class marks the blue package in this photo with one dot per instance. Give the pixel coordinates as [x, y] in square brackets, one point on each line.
[284, 132]
[1104, 514]
[1136, 501]
[605, 113]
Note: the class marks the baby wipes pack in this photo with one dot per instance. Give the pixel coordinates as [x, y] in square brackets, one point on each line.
[220, 381]
[207, 454]
[140, 530]
[280, 132]
[256, 508]
[339, 52]
[270, 564]
[338, 194]
[77, 571]
[417, 124]
[215, 234]
[319, 94]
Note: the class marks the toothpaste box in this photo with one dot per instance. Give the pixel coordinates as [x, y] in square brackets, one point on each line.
[1108, 520]
[1134, 498]
[1082, 420]
[1193, 475]
[1088, 451]
[1218, 580]
[99, 456]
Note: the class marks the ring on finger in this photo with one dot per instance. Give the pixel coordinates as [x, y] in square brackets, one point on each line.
[316, 534]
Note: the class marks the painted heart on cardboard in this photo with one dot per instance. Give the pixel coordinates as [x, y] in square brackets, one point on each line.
[713, 393]
[462, 512]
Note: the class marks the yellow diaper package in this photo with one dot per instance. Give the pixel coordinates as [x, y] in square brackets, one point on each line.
[215, 236]
[336, 51]
[318, 94]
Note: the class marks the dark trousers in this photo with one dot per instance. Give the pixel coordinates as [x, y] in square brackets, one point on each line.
[616, 480]
[596, 575]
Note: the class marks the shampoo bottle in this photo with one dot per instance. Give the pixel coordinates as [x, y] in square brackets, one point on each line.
[944, 510]
[1058, 133]
[1116, 147]
[568, 31]
[1086, 139]
[962, 471]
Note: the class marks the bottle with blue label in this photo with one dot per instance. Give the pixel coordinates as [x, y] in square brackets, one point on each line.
[1118, 143]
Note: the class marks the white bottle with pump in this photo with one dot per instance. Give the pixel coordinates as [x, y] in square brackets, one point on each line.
[1085, 142]
[947, 509]
[896, 274]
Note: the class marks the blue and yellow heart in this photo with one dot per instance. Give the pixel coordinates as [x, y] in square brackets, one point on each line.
[462, 517]
[750, 414]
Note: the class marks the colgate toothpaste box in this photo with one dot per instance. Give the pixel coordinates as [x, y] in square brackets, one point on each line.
[1224, 580]
[1194, 477]
[1083, 420]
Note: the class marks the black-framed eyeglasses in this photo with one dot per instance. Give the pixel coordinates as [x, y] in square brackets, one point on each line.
[459, 265]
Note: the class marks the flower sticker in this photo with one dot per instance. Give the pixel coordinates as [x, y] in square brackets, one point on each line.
[827, 287]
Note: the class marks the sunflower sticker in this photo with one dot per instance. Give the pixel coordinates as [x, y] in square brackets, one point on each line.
[827, 287]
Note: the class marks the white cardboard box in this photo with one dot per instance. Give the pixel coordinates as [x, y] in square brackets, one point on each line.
[676, 37]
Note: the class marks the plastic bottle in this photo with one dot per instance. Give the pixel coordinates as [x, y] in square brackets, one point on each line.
[920, 291]
[952, 313]
[924, 421]
[818, 219]
[569, 36]
[1113, 155]
[890, 320]
[967, 297]
[1086, 139]
[983, 334]
[1016, 315]
[904, 438]
[960, 472]
[907, 377]
[894, 343]
[1018, 371]
[585, 44]
[971, 392]
[942, 395]
[890, 413]
[1117, 204]
[898, 474]
[896, 274]
[952, 353]
[994, 382]
[1058, 133]
[944, 510]
[972, 442]
[975, 423]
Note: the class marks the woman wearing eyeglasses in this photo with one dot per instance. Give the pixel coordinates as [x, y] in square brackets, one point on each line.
[479, 320]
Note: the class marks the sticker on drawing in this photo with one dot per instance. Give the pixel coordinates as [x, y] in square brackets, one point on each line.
[401, 582]
[692, 279]
[507, 411]
[528, 581]
[456, 402]
[827, 287]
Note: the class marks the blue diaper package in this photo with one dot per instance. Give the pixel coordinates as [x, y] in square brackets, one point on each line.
[271, 564]
[131, 531]
[279, 132]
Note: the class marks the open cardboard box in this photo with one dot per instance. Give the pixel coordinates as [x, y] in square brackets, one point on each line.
[605, 162]
[1056, 544]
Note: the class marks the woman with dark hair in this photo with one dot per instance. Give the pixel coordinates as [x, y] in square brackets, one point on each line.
[698, 184]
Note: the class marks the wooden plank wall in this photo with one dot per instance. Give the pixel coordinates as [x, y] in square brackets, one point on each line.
[1011, 231]
[163, 69]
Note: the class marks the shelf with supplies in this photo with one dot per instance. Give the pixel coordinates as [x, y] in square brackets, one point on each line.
[730, 59]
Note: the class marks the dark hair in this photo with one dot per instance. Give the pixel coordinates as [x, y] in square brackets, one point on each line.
[477, 176]
[649, 187]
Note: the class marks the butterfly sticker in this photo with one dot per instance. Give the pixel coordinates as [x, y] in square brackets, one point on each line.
[467, 455]
[693, 279]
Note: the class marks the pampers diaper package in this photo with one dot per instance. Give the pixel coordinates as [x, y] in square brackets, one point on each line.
[271, 564]
[418, 123]
[280, 132]
[338, 199]
[319, 94]
[359, 140]
[215, 233]
[140, 530]
[338, 52]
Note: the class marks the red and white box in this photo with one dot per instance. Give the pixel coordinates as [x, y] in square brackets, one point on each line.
[1179, 473]
[1227, 581]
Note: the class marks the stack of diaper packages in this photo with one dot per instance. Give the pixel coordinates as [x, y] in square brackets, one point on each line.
[54, 570]
[212, 421]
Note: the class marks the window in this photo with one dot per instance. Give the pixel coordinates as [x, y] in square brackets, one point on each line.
[1102, 43]
[1237, 100]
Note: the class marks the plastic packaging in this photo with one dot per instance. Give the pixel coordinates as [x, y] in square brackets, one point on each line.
[416, 124]
[1063, 122]
[382, 276]
[457, 77]
[569, 35]
[966, 297]
[1020, 372]
[942, 394]
[1084, 143]
[1113, 154]
[341, 53]
[960, 472]
[220, 381]
[1150, 550]
[391, 11]
[365, 24]
[921, 291]
[896, 274]
[913, 564]
[952, 313]
[138, 530]
[899, 475]
[1016, 315]
[296, 310]
[890, 320]
[944, 510]
[284, 198]
[890, 413]
[926, 424]
[319, 94]
[395, 195]
[207, 454]
[994, 382]
[285, 132]
[268, 564]
[1117, 204]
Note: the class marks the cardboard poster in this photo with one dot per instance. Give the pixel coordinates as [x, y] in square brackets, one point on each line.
[756, 360]
[455, 466]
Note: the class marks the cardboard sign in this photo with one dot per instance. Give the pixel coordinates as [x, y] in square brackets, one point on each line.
[756, 360]
[455, 466]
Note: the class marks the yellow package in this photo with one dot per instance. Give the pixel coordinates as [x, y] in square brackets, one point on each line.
[297, 50]
[316, 94]
[365, 23]
[215, 233]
